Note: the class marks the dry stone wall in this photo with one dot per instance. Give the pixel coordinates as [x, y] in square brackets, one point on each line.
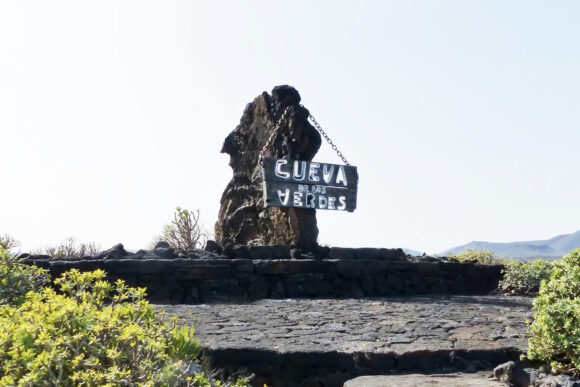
[272, 272]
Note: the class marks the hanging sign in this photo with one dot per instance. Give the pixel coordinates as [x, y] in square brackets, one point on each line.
[308, 184]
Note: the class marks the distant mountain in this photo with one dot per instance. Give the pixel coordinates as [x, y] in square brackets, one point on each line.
[414, 253]
[550, 249]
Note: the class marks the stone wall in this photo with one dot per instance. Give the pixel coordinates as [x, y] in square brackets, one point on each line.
[344, 273]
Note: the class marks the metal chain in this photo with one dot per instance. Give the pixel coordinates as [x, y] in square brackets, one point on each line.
[270, 141]
[278, 127]
[328, 140]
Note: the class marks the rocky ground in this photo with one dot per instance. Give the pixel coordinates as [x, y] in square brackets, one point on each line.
[337, 340]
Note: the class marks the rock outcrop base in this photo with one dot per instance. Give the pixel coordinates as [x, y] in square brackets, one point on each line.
[242, 218]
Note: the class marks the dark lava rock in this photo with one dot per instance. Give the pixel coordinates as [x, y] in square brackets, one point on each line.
[270, 252]
[212, 247]
[166, 253]
[342, 253]
[162, 245]
[301, 254]
[242, 218]
[115, 252]
[513, 374]
[381, 254]
[236, 251]
[241, 251]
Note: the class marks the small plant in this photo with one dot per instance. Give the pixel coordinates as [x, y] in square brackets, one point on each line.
[481, 256]
[17, 279]
[70, 249]
[555, 331]
[524, 278]
[184, 232]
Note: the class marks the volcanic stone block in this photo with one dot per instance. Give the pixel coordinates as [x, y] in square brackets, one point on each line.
[348, 268]
[291, 267]
[242, 266]
[342, 253]
[385, 254]
[243, 218]
[206, 270]
[258, 289]
[270, 252]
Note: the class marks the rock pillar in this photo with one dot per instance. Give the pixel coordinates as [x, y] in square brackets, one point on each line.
[242, 218]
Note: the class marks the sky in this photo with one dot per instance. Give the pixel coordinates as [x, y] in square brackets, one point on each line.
[462, 116]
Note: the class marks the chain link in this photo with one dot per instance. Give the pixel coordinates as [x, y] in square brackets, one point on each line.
[328, 140]
[270, 141]
[278, 127]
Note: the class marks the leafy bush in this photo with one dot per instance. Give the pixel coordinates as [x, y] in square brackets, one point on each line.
[184, 232]
[17, 279]
[555, 332]
[523, 278]
[481, 256]
[70, 249]
[91, 333]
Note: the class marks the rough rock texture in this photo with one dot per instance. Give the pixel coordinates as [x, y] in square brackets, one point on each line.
[479, 379]
[203, 276]
[289, 342]
[515, 375]
[242, 218]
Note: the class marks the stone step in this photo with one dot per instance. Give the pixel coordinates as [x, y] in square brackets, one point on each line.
[479, 379]
[325, 342]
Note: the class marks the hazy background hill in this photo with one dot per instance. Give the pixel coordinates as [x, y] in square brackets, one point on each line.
[555, 247]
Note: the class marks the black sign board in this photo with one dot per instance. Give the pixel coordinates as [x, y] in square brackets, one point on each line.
[308, 184]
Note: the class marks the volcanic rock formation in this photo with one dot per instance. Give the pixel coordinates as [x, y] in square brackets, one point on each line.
[242, 218]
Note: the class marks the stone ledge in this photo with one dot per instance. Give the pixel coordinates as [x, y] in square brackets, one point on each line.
[183, 280]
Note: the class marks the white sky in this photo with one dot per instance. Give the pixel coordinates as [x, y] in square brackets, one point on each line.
[462, 116]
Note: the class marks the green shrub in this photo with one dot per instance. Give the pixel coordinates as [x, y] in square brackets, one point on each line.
[91, 333]
[555, 332]
[481, 256]
[17, 279]
[523, 278]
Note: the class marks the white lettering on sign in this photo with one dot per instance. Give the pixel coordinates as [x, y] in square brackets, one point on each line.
[310, 200]
[310, 172]
[284, 196]
[279, 172]
[342, 201]
[298, 199]
[331, 200]
[341, 176]
[308, 184]
[313, 171]
[327, 171]
[311, 197]
[299, 174]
